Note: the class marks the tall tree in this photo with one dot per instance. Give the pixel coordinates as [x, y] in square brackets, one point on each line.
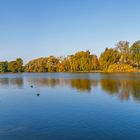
[80, 61]
[15, 66]
[36, 65]
[108, 57]
[51, 64]
[135, 53]
[94, 63]
[123, 48]
[3, 66]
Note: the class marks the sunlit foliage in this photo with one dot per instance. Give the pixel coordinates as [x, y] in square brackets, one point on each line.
[108, 57]
[15, 66]
[3, 66]
[121, 68]
[120, 58]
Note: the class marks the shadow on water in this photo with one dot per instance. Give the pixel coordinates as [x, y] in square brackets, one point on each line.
[123, 86]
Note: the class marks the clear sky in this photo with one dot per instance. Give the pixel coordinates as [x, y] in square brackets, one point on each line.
[38, 28]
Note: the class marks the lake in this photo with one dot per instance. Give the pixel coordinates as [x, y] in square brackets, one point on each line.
[70, 106]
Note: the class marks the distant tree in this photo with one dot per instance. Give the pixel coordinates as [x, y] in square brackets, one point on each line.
[135, 54]
[123, 48]
[19, 62]
[122, 57]
[3, 66]
[47, 64]
[51, 64]
[94, 63]
[81, 61]
[36, 65]
[12, 66]
[15, 66]
[64, 64]
[108, 57]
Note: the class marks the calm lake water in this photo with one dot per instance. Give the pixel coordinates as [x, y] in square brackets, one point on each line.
[70, 106]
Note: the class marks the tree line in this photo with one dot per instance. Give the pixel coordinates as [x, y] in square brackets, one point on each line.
[122, 58]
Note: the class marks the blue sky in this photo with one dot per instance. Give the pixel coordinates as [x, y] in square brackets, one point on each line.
[38, 28]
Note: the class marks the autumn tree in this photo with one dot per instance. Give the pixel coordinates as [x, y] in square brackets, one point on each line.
[36, 65]
[135, 54]
[108, 57]
[119, 58]
[64, 64]
[46, 64]
[94, 63]
[123, 48]
[51, 64]
[83, 61]
[3, 66]
[15, 66]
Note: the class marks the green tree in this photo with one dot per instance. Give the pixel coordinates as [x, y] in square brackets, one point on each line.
[108, 57]
[36, 65]
[19, 62]
[83, 61]
[94, 63]
[47, 64]
[3, 66]
[64, 64]
[51, 64]
[15, 66]
[135, 54]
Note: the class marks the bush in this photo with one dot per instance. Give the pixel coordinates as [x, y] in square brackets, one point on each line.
[121, 68]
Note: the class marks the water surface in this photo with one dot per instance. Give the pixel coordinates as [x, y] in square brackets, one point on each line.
[67, 106]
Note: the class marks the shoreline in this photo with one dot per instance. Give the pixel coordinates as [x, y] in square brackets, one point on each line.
[138, 71]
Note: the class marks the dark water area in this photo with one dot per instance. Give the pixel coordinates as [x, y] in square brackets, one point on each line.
[70, 106]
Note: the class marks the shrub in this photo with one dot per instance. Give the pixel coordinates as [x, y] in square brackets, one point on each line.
[121, 68]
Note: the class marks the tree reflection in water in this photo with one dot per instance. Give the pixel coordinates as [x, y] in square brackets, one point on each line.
[79, 84]
[123, 88]
[11, 82]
